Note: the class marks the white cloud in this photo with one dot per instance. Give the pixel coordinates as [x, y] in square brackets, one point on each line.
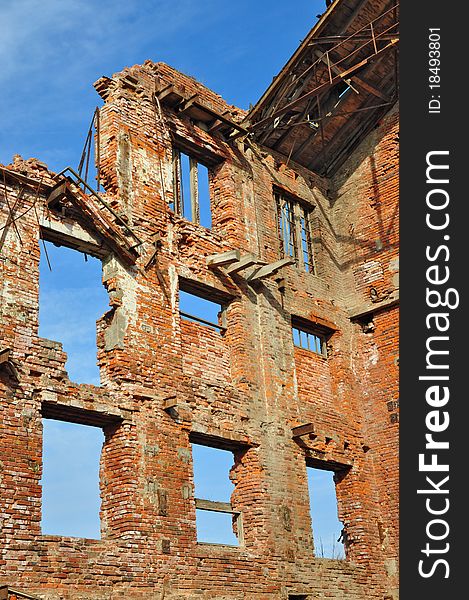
[67, 38]
[51, 51]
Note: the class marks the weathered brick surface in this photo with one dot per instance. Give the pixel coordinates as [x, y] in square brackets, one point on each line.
[247, 387]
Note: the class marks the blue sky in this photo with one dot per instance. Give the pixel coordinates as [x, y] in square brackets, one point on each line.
[51, 52]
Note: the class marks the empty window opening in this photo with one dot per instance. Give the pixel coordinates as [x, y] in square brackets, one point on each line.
[214, 514]
[70, 479]
[71, 299]
[297, 597]
[201, 310]
[327, 529]
[191, 189]
[295, 230]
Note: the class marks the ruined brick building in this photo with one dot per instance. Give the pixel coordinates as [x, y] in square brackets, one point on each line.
[299, 250]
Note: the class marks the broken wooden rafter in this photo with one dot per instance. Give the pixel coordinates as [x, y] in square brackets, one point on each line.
[359, 81]
[223, 258]
[270, 269]
[243, 263]
[113, 237]
[333, 39]
[196, 108]
[343, 75]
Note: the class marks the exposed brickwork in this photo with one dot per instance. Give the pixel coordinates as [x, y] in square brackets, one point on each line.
[247, 387]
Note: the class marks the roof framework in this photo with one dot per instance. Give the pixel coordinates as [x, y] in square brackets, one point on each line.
[335, 88]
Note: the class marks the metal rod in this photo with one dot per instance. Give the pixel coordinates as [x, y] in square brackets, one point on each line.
[29, 207]
[97, 118]
[200, 320]
[103, 202]
[88, 154]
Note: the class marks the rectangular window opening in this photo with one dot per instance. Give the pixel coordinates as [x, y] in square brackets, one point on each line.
[191, 189]
[328, 531]
[310, 337]
[71, 299]
[216, 520]
[199, 308]
[70, 479]
[294, 223]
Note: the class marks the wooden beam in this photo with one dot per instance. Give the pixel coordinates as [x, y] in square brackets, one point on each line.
[170, 402]
[186, 104]
[223, 258]
[303, 430]
[224, 507]
[246, 261]
[216, 124]
[166, 91]
[5, 355]
[321, 55]
[270, 269]
[353, 15]
[370, 88]
[57, 194]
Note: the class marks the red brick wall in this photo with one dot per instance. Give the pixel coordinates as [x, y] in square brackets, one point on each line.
[164, 379]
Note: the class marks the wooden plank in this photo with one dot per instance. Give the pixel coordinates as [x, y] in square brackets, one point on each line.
[224, 507]
[166, 91]
[271, 269]
[5, 355]
[303, 430]
[170, 402]
[218, 117]
[246, 261]
[223, 258]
